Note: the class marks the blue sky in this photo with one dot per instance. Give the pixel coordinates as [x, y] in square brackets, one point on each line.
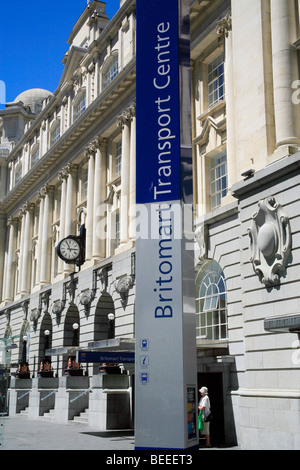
[33, 41]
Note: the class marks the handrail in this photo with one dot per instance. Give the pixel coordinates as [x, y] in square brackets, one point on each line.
[81, 394]
[49, 394]
[22, 396]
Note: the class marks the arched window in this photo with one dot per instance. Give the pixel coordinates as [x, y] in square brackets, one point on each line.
[18, 172]
[55, 133]
[211, 302]
[110, 70]
[35, 154]
[79, 105]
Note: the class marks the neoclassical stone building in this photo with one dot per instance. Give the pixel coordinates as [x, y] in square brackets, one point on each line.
[67, 160]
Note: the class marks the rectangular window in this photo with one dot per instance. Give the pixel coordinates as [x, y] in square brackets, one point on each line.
[55, 135]
[118, 159]
[218, 180]
[215, 81]
[35, 156]
[111, 73]
[117, 229]
[84, 182]
[79, 108]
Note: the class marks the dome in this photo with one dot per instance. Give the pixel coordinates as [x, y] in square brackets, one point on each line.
[33, 98]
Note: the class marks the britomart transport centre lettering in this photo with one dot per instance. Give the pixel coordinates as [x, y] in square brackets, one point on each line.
[164, 282]
[165, 136]
[158, 127]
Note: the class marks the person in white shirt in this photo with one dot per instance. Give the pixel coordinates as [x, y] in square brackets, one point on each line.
[204, 406]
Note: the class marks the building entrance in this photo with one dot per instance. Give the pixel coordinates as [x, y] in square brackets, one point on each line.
[214, 383]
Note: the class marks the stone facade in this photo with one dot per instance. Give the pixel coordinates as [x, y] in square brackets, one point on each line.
[67, 159]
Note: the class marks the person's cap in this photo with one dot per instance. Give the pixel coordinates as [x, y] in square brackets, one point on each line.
[203, 390]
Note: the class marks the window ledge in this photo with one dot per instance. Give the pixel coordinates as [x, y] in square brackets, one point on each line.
[213, 109]
[211, 344]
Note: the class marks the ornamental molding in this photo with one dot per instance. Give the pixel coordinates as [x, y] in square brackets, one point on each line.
[224, 26]
[270, 241]
[85, 298]
[34, 317]
[122, 286]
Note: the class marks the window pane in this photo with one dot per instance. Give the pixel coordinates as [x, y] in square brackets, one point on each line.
[110, 72]
[218, 180]
[211, 310]
[215, 80]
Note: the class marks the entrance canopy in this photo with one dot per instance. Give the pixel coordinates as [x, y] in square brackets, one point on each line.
[109, 345]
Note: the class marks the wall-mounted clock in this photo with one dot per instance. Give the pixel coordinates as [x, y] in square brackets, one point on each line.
[72, 248]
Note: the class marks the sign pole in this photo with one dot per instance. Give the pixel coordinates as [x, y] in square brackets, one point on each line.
[166, 373]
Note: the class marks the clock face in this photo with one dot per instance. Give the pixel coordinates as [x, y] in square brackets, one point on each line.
[69, 249]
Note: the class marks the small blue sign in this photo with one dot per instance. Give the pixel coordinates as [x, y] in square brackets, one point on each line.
[157, 107]
[144, 344]
[109, 357]
[144, 378]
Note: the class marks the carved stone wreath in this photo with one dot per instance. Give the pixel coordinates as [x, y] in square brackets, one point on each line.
[270, 241]
[122, 286]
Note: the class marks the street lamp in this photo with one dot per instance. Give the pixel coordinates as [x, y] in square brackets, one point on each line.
[47, 334]
[24, 354]
[111, 325]
[75, 335]
[23, 369]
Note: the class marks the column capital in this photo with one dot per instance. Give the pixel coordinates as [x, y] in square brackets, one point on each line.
[102, 143]
[69, 168]
[90, 150]
[12, 220]
[224, 26]
[27, 207]
[123, 118]
[45, 190]
[132, 110]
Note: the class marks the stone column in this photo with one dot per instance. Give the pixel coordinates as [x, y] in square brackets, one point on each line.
[63, 178]
[69, 110]
[99, 235]
[285, 71]
[124, 123]
[3, 227]
[40, 235]
[90, 153]
[224, 31]
[26, 253]
[21, 250]
[47, 137]
[132, 173]
[97, 77]
[10, 260]
[3, 172]
[46, 236]
[70, 213]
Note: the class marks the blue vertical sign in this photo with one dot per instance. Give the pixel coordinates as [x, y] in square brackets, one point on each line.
[165, 307]
[158, 136]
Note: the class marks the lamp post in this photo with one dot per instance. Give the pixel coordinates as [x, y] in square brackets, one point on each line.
[23, 370]
[111, 325]
[24, 352]
[47, 334]
[75, 341]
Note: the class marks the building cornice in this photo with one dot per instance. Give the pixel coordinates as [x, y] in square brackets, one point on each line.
[267, 175]
[64, 146]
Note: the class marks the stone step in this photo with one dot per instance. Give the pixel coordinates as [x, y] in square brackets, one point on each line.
[83, 417]
[49, 416]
